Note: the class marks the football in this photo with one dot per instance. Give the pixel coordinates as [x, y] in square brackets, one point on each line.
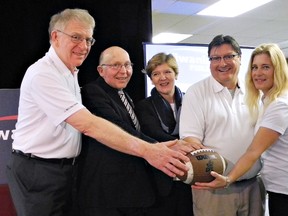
[202, 162]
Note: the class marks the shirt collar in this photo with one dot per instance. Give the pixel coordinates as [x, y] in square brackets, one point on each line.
[58, 63]
[217, 87]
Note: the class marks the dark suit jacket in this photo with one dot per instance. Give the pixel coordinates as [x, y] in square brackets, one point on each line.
[109, 178]
[171, 193]
[149, 121]
[151, 126]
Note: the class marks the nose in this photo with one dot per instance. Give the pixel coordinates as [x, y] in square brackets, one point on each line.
[122, 66]
[222, 61]
[258, 72]
[162, 76]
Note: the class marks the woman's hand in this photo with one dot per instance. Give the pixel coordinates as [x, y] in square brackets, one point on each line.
[220, 181]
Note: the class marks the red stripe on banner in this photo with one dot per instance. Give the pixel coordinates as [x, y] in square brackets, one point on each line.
[7, 118]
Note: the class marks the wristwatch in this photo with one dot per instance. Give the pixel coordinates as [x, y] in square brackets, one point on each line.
[228, 182]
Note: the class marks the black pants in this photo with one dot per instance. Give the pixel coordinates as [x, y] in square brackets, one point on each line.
[177, 203]
[40, 188]
[278, 204]
[114, 212]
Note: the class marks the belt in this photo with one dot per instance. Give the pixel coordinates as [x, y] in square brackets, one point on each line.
[245, 180]
[60, 161]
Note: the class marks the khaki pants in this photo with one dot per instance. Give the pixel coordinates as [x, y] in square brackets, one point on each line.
[244, 198]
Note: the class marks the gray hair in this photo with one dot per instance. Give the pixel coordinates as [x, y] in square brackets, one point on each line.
[61, 19]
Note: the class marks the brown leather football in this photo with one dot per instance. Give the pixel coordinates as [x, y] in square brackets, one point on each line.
[202, 162]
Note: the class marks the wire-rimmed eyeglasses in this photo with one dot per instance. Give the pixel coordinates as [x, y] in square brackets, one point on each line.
[226, 58]
[78, 39]
[128, 66]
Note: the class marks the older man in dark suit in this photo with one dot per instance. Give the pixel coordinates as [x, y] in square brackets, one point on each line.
[113, 183]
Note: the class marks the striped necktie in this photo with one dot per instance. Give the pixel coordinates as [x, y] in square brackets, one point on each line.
[129, 110]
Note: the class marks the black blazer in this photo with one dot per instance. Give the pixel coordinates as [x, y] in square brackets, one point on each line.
[157, 120]
[108, 178]
[150, 125]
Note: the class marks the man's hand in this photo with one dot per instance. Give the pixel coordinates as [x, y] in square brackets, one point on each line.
[162, 157]
[194, 143]
[185, 147]
[181, 147]
[220, 181]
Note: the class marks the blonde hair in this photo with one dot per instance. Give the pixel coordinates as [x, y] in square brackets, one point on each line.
[159, 59]
[280, 86]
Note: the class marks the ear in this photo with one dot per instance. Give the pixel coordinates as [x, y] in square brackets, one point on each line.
[54, 36]
[100, 70]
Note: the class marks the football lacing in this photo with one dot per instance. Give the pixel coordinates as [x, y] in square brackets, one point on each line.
[201, 151]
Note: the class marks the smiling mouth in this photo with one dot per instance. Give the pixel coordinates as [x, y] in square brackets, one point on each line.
[164, 84]
[223, 70]
[260, 80]
[79, 54]
[122, 78]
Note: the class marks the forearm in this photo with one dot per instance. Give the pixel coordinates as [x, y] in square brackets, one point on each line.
[107, 133]
[242, 166]
[158, 155]
[263, 139]
[116, 138]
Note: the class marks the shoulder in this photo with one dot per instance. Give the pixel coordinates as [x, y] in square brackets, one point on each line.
[281, 103]
[93, 94]
[92, 86]
[283, 99]
[144, 103]
[143, 106]
[200, 88]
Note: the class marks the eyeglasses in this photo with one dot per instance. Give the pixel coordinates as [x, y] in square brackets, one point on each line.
[128, 66]
[226, 58]
[78, 39]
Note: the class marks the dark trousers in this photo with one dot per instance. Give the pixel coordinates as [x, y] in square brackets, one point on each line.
[40, 188]
[278, 204]
[114, 212]
[177, 203]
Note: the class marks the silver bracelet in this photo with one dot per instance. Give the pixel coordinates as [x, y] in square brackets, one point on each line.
[228, 182]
